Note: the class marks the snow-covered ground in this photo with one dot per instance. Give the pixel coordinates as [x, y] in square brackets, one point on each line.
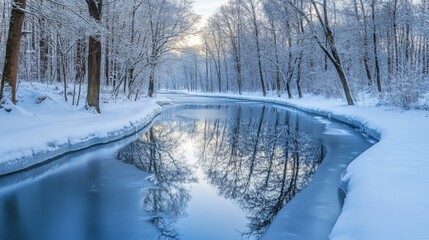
[42, 126]
[386, 186]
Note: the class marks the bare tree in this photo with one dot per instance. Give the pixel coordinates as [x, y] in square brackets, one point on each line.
[331, 51]
[251, 7]
[168, 22]
[363, 22]
[11, 65]
[231, 17]
[375, 48]
[94, 58]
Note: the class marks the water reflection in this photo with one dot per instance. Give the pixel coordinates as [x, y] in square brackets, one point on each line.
[157, 152]
[260, 160]
[257, 156]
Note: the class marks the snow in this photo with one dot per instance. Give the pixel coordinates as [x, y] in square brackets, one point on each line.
[42, 126]
[386, 186]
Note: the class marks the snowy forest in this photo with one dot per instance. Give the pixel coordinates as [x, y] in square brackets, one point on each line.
[205, 119]
[347, 48]
[353, 49]
[115, 47]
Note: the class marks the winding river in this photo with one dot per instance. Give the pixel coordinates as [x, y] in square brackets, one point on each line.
[207, 168]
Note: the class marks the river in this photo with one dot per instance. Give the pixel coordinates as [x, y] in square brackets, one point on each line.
[207, 168]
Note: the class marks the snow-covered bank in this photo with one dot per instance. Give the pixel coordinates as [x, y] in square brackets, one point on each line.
[386, 185]
[41, 126]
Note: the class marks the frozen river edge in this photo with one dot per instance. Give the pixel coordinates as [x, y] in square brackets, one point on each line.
[42, 155]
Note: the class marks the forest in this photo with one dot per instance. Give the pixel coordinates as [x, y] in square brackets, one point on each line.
[351, 49]
[153, 119]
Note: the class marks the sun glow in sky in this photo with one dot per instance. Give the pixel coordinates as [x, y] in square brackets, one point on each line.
[204, 8]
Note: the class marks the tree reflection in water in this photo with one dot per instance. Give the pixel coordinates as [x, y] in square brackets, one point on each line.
[158, 153]
[258, 156]
[260, 159]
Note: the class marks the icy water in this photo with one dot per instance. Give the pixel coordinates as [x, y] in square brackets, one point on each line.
[206, 169]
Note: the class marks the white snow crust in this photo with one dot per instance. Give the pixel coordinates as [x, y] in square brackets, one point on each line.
[42, 126]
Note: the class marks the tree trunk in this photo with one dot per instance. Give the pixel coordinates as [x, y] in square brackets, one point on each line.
[333, 54]
[290, 67]
[10, 70]
[374, 36]
[258, 49]
[152, 82]
[43, 50]
[298, 75]
[107, 50]
[365, 40]
[238, 70]
[64, 71]
[94, 59]
[395, 36]
[300, 57]
[107, 63]
[79, 67]
[276, 55]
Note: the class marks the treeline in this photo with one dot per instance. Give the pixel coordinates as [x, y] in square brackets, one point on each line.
[343, 48]
[117, 46]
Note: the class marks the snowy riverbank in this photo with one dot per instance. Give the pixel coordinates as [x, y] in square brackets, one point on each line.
[42, 126]
[386, 186]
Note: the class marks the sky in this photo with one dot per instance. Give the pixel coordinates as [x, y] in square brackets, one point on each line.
[205, 8]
